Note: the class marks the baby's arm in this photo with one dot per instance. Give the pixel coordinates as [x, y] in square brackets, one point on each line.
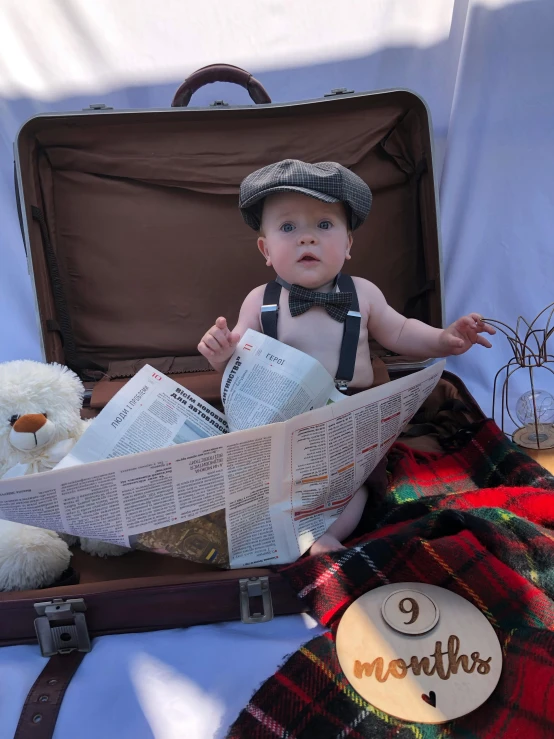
[414, 338]
[218, 343]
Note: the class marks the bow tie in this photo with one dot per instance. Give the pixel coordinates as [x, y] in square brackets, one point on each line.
[337, 305]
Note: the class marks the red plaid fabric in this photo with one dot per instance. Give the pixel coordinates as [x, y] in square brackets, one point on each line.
[479, 522]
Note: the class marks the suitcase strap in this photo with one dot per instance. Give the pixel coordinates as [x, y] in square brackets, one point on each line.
[351, 334]
[40, 712]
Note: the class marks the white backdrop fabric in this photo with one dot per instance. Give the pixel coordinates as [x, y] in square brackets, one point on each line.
[485, 69]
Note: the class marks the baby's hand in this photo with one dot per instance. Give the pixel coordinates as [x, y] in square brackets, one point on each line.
[218, 344]
[464, 333]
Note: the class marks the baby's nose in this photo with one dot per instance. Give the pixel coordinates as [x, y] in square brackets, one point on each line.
[30, 423]
[307, 238]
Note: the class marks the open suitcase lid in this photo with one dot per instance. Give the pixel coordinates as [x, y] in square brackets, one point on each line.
[133, 233]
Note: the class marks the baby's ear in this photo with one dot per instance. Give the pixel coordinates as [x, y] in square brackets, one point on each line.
[350, 242]
[262, 246]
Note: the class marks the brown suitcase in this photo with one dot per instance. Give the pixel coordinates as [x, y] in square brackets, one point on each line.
[135, 244]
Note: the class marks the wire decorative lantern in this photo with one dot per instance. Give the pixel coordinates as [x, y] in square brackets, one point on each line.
[535, 408]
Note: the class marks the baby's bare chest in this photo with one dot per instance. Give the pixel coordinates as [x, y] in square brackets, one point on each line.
[317, 334]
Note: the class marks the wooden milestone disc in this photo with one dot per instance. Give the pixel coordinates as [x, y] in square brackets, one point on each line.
[432, 677]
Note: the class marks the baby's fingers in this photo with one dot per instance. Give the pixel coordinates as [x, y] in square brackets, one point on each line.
[234, 338]
[222, 337]
[211, 343]
[481, 325]
[489, 329]
[221, 323]
[205, 350]
[484, 342]
[467, 323]
[454, 342]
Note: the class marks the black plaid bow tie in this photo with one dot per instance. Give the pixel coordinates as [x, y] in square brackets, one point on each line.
[337, 305]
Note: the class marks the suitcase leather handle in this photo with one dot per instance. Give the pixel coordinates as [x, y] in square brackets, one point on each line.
[220, 73]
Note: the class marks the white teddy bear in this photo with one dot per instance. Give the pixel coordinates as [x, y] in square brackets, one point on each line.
[39, 423]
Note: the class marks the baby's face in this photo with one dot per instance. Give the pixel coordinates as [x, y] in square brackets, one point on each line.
[304, 239]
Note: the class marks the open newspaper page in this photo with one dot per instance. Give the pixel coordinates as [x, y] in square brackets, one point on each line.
[267, 381]
[151, 411]
[224, 480]
[253, 497]
[330, 452]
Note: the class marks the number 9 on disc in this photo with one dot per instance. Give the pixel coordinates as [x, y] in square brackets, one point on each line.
[410, 611]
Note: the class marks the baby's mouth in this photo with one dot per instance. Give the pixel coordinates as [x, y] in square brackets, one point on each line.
[308, 258]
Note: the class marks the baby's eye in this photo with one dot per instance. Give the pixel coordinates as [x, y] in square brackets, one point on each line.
[287, 227]
[325, 225]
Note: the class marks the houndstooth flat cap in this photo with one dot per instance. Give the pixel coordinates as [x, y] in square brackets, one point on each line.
[327, 181]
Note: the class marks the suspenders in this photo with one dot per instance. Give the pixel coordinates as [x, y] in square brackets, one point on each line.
[270, 308]
[349, 346]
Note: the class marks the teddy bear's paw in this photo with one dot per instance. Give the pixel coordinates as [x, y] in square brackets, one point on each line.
[30, 558]
[102, 548]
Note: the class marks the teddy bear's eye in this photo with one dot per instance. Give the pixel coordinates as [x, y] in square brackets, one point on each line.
[45, 415]
[13, 419]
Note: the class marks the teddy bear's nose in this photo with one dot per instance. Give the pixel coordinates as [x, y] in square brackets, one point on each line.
[30, 423]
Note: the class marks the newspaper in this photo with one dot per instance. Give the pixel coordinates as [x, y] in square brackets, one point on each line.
[239, 498]
[267, 381]
[151, 411]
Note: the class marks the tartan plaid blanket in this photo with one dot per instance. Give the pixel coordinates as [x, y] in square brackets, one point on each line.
[478, 521]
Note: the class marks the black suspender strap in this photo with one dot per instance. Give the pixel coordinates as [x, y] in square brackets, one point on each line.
[270, 309]
[351, 335]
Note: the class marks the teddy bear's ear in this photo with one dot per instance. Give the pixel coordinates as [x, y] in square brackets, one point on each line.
[69, 380]
[41, 388]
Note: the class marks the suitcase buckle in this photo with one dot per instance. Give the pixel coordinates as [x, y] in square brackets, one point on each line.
[255, 587]
[61, 626]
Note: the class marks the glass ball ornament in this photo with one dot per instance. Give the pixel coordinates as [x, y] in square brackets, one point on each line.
[544, 404]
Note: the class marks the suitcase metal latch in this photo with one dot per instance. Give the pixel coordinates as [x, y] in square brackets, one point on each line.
[61, 626]
[258, 588]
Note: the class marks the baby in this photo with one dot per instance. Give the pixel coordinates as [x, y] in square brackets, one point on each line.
[304, 215]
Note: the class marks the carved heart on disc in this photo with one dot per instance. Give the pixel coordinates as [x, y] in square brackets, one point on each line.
[431, 699]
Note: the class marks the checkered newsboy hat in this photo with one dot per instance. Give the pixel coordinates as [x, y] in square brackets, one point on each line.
[327, 181]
